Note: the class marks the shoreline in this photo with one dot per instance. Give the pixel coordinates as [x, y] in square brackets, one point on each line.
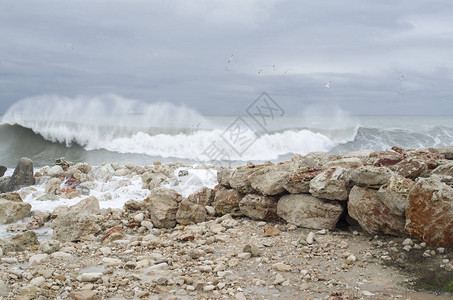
[162, 244]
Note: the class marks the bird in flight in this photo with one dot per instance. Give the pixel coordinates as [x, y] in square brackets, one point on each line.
[328, 84]
[402, 77]
[230, 58]
[69, 46]
[273, 66]
[260, 70]
[226, 68]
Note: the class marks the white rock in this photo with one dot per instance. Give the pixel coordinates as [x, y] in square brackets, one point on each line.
[244, 255]
[139, 217]
[38, 259]
[408, 241]
[282, 267]
[112, 261]
[310, 238]
[37, 281]
[105, 250]
[240, 296]
[55, 171]
[60, 255]
[147, 224]
[90, 277]
[350, 259]
[441, 250]
[407, 248]
[278, 279]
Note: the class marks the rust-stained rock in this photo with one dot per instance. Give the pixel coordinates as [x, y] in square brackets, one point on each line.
[429, 212]
[226, 201]
[240, 179]
[332, 184]
[410, 168]
[223, 177]
[190, 213]
[445, 169]
[163, 205]
[372, 215]
[113, 234]
[384, 158]
[269, 180]
[307, 211]
[394, 194]
[298, 181]
[371, 176]
[270, 230]
[259, 207]
[204, 197]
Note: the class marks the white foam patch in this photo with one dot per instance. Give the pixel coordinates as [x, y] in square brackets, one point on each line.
[193, 182]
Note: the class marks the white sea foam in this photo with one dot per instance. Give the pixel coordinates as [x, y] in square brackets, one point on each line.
[121, 125]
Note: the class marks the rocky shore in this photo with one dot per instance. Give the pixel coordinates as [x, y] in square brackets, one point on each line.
[368, 224]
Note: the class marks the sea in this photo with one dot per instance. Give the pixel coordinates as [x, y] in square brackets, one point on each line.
[112, 129]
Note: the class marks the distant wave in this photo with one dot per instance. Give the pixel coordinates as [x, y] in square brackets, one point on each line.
[118, 125]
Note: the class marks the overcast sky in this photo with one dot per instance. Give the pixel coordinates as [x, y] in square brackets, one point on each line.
[178, 51]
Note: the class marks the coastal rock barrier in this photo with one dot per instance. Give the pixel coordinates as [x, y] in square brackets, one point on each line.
[396, 192]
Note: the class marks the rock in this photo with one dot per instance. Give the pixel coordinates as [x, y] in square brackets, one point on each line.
[258, 207]
[252, 249]
[22, 176]
[38, 259]
[410, 168]
[270, 230]
[394, 194]
[223, 177]
[112, 261]
[183, 173]
[26, 240]
[50, 246]
[351, 259]
[371, 176]
[78, 220]
[203, 197]
[298, 181]
[429, 213]
[373, 216]
[226, 201]
[345, 162]
[163, 205]
[16, 227]
[384, 158]
[37, 281]
[445, 169]
[307, 211]
[84, 295]
[3, 170]
[13, 211]
[122, 172]
[133, 205]
[113, 234]
[446, 151]
[240, 181]
[90, 277]
[55, 171]
[4, 289]
[269, 180]
[52, 185]
[190, 213]
[102, 173]
[332, 184]
[281, 267]
[310, 238]
[49, 197]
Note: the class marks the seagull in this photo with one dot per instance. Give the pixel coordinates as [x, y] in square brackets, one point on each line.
[287, 71]
[231, 58]
[226, 68]
[69, 45]
[273, 66]
[402, 77]
[328, 84]
[260, 70]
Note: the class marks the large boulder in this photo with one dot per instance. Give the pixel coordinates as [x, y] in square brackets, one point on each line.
[22, 176]
[410, 168]
[298, 181]
[447, 151]
[445, 169]
[204, 197]
[429, 212]
[332, 184]
[269, 180]
[371, 176]
[72, 223]
[190, 213]
[102, 173]
[240, 179]
[223, 177]
[12, 209]
[3, 170]
[163, 205]
[394, 194]
[226, 201]
[372, 215]
[307, 211]
[259, 207]
[384, 158]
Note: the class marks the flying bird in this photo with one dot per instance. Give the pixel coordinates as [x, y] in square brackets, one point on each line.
[328, 84]
[69, 46]
[230, 58]
[260, 70]
[226, 68]
[273, 66]
[402, 77]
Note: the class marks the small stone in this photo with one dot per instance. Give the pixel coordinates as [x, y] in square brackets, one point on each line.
[281, 267]
[441, 250]
[84, 295]
[217, 228]
[322, 231]
[423, 244]
[310, 238]
[427, 253]
[38, 259]
[278, 279]
[90, 277]
[139, 217]
[233, 262]
[350, 259]
[252, 249]
[208, 288]
[245, 256]
[408, 241]
[407, 248]
[240, 296]
[205, 269]
[261, 224]
[270, 230]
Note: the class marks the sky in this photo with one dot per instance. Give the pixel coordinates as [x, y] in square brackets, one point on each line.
[379, 57]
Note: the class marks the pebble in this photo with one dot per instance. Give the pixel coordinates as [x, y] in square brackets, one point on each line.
[281, 267]
[310, 238]
[278, 279]
[407, 248]
[351, 259]
[408, 242]
[90, 277]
